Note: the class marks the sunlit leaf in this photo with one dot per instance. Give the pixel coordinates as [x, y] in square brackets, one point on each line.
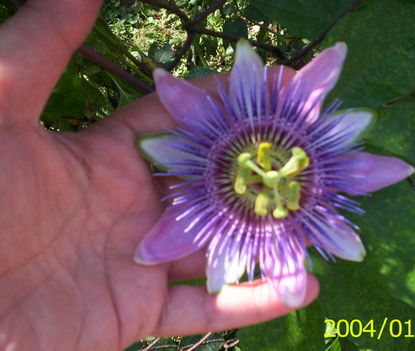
[300, 331]
[380, 62]
[306, 18]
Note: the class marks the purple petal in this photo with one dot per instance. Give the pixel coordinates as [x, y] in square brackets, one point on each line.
[350, 125]
[372, 172]
[159, 149]
[246, 81]
[315, 80]
[225, 266]
[167, 241]
[287, 273]
[182, 99]
[336, 238]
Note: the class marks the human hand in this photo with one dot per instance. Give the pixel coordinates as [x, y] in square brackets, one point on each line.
[75, 206]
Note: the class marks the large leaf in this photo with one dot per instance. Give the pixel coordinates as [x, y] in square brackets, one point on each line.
[383, 286]
[299, 331]
[381, 58]
[395, 130]
[236, 27]
[365, 300]
[306, 18]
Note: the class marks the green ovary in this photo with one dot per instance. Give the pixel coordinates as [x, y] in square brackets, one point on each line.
[279, 191]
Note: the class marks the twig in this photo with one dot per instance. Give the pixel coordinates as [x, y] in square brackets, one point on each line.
[229, 344]
[200, 342]
[113, 68]
[268, 47]
[180, 53]
[161, 347]
[191, 27]
[201, 16]
[186, 348]
[155, 341]
[172, 8]
[323, 34]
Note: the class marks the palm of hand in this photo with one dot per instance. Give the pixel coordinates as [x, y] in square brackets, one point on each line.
[75, 206]
[85, 200]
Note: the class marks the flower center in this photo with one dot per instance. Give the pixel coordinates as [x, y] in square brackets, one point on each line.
[279, 192]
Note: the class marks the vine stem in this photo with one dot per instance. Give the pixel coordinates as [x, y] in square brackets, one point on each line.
[301, 53]
[113, 68]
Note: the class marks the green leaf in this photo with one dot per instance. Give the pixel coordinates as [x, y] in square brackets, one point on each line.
[395, 130]
[198, 71]
[162, 54]
[228, 9]
[306, 18]
[299, 331]
[380, 62]
[237, 27]
[347, 345]
[126, 93]
[342, 344]
[252, 13]
[335, 346]
[67, 99]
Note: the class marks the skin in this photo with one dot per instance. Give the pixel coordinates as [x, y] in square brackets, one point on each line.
[74, 207]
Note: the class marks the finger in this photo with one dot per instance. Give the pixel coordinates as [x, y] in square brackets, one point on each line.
[191, 310]
[190, 267]
[147, 115]
[36, 45]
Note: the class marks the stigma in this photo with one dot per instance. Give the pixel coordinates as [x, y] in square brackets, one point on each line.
[279, 191]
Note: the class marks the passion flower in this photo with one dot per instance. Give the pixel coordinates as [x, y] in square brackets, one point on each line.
[263, 172]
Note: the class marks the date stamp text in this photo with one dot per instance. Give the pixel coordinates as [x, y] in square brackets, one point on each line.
[355, 328]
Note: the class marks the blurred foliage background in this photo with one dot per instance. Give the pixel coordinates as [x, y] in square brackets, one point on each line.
[192, 38]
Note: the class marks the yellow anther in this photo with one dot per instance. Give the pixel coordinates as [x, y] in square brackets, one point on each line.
[261, 202]
[240, 186]
[243, 158]
[264, 156]
[294, 189]
[298, 162]
[280, 212]
[243, 173]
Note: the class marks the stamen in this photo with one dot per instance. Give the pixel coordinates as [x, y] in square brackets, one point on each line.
[294, 189]
[243, 173]
[261, 202]
[280, 211]
[264, 156]
[285, 194]
[271, 179]
[298, 162]
[255, 168]
[254, 179]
